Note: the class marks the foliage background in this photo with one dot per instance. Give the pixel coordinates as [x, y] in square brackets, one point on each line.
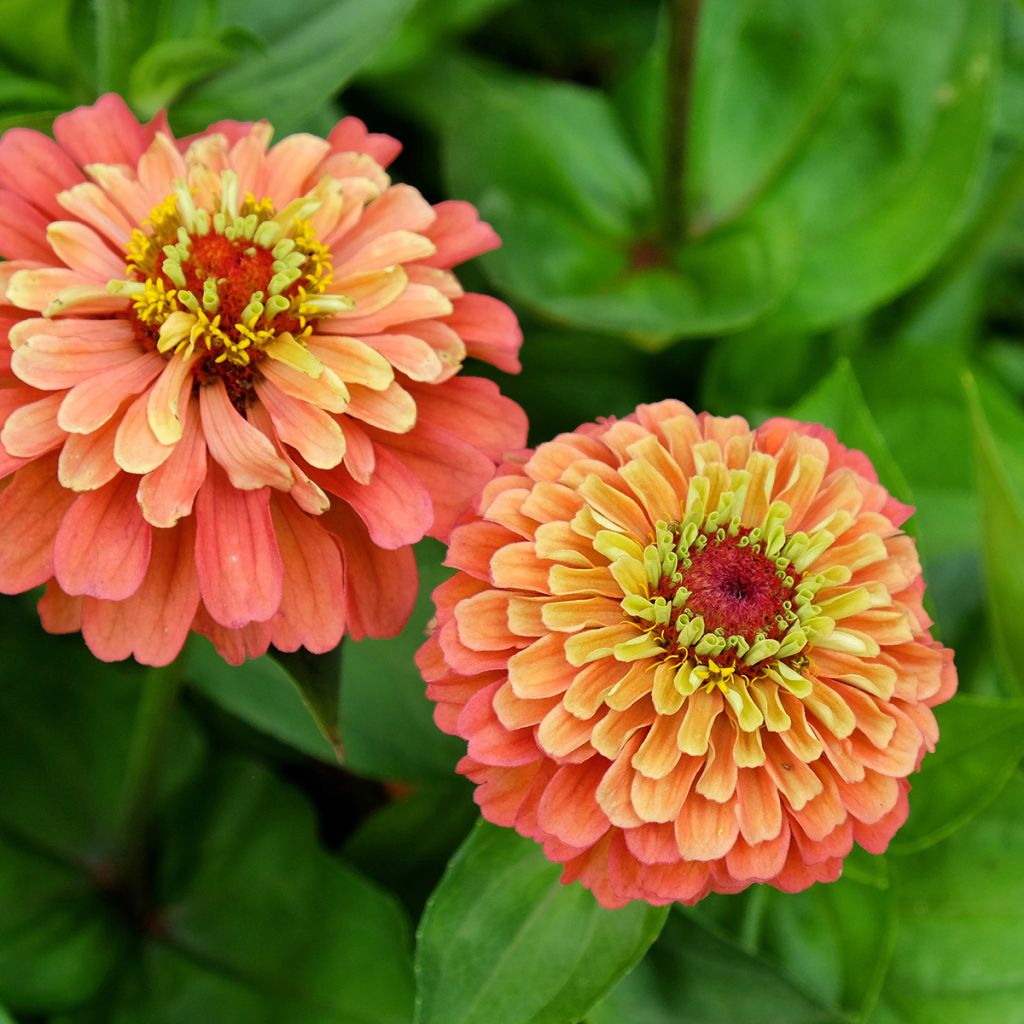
[852, 251]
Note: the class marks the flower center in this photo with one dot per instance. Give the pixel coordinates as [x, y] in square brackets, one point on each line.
[236, 279]
[737, 590]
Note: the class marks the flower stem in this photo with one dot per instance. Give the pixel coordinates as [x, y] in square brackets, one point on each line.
[160, 688]
[682, 44]
[115, 20]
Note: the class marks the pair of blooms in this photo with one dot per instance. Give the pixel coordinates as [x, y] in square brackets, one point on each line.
[686, 656]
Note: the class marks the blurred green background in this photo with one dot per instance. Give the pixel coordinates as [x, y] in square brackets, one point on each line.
[844, 244]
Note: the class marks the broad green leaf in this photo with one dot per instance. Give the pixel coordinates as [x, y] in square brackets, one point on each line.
[256, 920]
[314, 48]
[700, 976]
[5, 1017]
[68, 721]
[317, 677]
[236, 906]
[37, 38]
[550, 167]
[406, 845]
[387, 726]
[916, 395]
[838, 403]
[998, 430]
[20, 92]
[503, 940]
[263, 693]
[429, 26]
[168, 66]
[609, 379]
[875, 155]
[835, 941]
[960, 933]
[981, 741]
[59, 939]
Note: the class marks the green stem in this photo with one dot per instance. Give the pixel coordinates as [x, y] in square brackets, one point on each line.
[753, 919]
[682, 44]
[160, 688]
[115, 21]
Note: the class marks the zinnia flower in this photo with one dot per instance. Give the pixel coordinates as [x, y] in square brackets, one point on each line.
[688, 656]
[229, 398]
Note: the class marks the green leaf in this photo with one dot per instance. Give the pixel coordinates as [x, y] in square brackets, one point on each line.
[957, 951]
[406, 845]
[25, 93]
[698, 975]
[169, 65]
[314, 48]
[503, 941]
[236, 906]
[387, 726]
[59, 939]
[317, 677]
[550, 167]
[876, 156]
[326, 946]
[68, 723]
[916, 395]
[981, 741]
[838, 403]
[998, 431]
[263, 693]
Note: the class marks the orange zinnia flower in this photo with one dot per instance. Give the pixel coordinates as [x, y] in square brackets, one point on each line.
[229, 397]
[688, 656]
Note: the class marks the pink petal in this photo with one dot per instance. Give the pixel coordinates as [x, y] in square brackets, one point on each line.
[474, 409]
[569, 809]
[91, 205]
[350, 135]
[107, 132]
[31, 509]
[87, 460]
[313, 594]
[290, 164]
[394, 505]
[237, 556]
[452, 470]
[459, 234]
[167, 396]
[87, 406]
[154, 622]
[392, 409]
[416, 302]
[166, 494]
[22, 230]
[36, 168]
[57, 359]
[380, 585]
[56, 290]
[59, 612]
[33, 429]
[313, 433]
[136, 448]
[245, 453]
[84, 251]
[103, 544]
[489, 329]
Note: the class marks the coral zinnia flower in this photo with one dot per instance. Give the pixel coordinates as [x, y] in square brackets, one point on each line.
[228, 398]
[688, 656]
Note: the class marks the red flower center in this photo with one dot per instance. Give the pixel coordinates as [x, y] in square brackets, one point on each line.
[238, 269]
[737, 589]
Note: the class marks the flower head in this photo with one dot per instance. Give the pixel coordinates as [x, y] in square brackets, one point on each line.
[228, 389]
[688, 656]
